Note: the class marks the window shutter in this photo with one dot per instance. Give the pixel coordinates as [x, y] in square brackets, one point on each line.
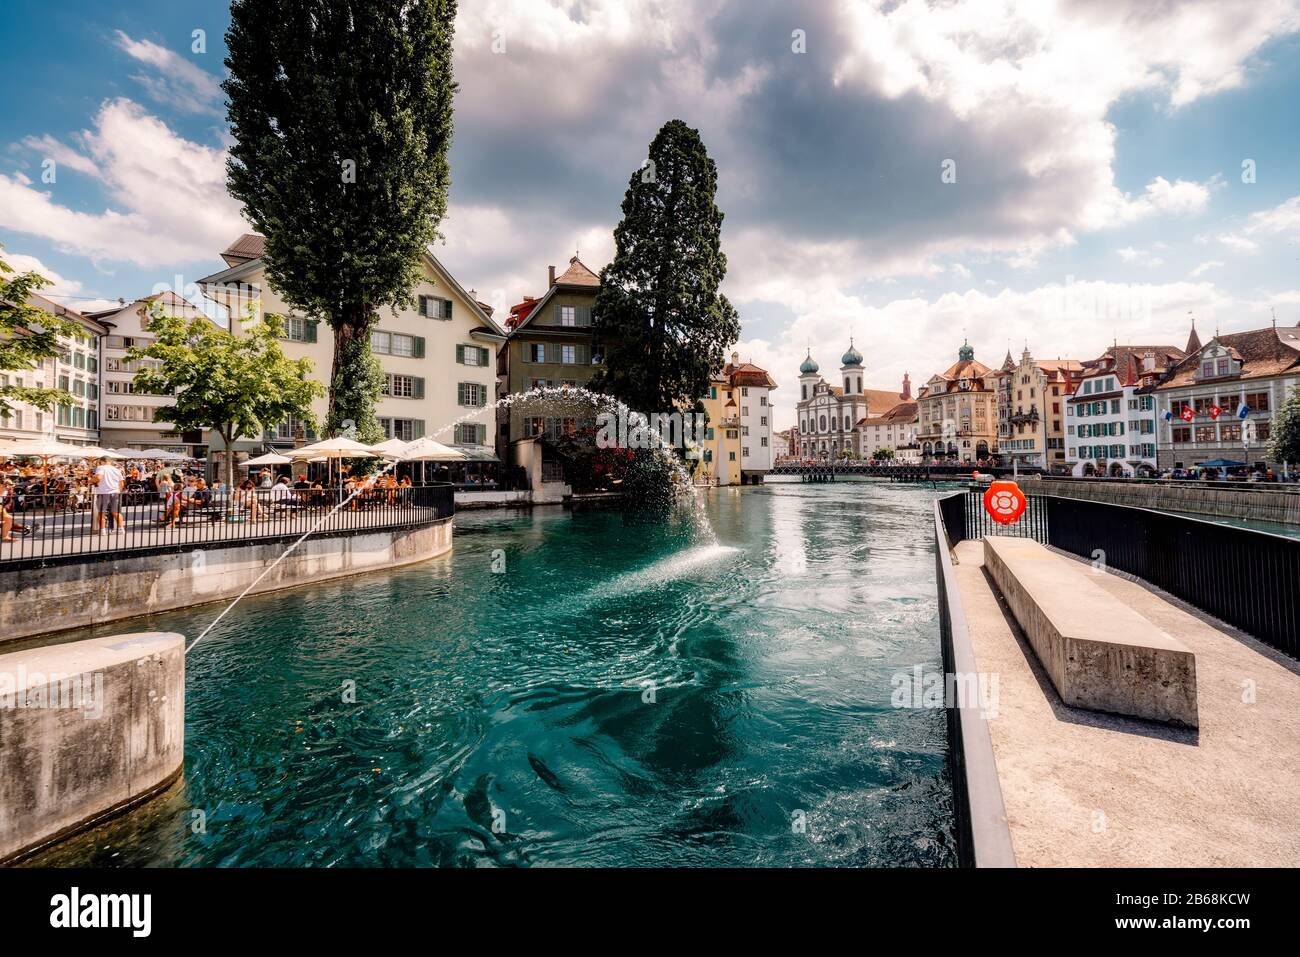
[446, 308]
[582, 353]
[417, 349]
[417, 428]
[455, 434]
[418, 390]
[309, 330]
[484, 356]
[460, 354]
[559, 316]
[584, 315]
[424, 305]
[460, 394]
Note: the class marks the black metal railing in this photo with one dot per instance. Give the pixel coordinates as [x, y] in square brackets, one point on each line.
[980, 822]
[1246, 578]
[43, 526]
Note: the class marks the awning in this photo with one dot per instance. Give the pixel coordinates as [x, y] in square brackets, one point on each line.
[478, 453]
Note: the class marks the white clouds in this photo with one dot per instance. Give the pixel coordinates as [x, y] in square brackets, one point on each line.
[1281, 219]
[1139, 257]
[1205, 267]
[1239, 243]
[175, 81]
[61, 289]
[168, 194]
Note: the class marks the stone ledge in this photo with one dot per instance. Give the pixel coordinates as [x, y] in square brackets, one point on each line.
[88, 728]
[1098, 652]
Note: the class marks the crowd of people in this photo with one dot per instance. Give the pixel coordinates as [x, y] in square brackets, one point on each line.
[103, 487]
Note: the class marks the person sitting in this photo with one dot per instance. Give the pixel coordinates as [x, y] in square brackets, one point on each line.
[245, 500]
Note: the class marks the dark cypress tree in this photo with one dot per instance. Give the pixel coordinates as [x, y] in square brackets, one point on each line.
[341, 112]
[665, 326]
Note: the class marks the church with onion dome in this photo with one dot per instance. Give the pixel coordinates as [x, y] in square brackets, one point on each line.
[831, 419]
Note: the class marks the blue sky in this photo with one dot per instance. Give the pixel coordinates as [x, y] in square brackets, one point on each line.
[1098, 148]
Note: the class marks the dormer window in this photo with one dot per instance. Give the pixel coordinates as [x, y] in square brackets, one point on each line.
[1207, 369]
[1224, 367]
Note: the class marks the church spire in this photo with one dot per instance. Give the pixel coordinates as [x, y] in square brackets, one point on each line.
[1193, 341]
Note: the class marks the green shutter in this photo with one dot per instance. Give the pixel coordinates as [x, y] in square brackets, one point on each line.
[418, 390]
[424, 305]
[559, 319]
[309, 335]
[484, 356]
[584, 315]
[418, 348]
[460, 394]
[460, 354]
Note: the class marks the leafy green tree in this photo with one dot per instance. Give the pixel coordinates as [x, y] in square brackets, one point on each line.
[28, 336]
[341, 111]
[882, 454]
[1285, 431]
[665, 326]
[236, 384]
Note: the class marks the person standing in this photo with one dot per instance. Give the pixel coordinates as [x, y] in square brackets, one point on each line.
[108, 496]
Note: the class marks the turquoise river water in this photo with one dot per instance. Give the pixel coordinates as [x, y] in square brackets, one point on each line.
[618, 694]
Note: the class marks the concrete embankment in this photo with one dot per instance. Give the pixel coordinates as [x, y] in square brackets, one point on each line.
[79, 590]
[87, 730]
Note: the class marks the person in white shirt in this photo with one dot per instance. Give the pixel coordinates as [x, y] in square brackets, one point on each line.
[108, 495]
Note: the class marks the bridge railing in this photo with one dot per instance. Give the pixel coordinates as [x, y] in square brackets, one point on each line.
[980, 818]
[1246, 578]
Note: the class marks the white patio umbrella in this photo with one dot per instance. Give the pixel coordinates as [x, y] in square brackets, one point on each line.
[429, 450]
[336, 448]
[270, 458]
[95, 452]
[44, 449]
[392, 449]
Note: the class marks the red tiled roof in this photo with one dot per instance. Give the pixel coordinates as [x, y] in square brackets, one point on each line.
[246, 247]
[1263, 352]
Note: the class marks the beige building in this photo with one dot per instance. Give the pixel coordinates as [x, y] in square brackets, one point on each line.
[957, 415]
[1219, 401]
[128, 413]
[439, 356]
[75, 370]
[1032, 398]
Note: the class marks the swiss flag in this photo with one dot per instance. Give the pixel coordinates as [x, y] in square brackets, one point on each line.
[1188, 414]
[1215, 412]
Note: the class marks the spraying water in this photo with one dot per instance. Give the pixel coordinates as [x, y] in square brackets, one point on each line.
[550, 399]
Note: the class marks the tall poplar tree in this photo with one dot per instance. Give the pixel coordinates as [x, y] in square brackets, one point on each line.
[665, 327]
[341, 111]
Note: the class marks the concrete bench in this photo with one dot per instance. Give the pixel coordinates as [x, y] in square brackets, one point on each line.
[1099, 653]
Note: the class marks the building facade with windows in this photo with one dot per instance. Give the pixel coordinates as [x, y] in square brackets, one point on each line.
[957, 412]
[827, 416]
[75, 370]
[752, 388]
[438, 356]
[1031, 415]
[129, 415]
[551, 344]
[721, 451]
[1111, 417]
[1218, 402]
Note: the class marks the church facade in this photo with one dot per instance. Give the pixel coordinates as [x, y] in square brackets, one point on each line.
[831, 418]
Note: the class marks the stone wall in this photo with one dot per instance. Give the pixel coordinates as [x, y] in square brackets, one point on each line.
[1257, 503]
[72, 594]
[87, 730]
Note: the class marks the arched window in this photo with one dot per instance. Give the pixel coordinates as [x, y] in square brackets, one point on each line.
[823, 428]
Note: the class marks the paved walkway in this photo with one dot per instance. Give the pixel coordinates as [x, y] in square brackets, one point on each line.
[1089, 789]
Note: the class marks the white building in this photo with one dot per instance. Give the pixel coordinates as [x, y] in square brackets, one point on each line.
[1111, 417]
[828, 415]
[128, 413]
[75, 371]
[439, 358]
[752, 388]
